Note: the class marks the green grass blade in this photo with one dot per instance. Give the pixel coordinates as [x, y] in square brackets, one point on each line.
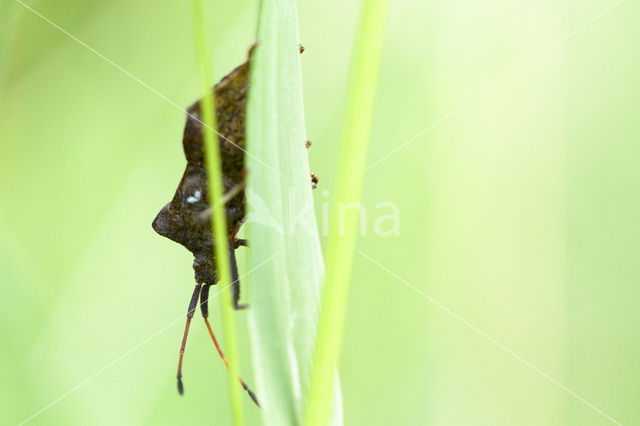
[218, 217]
[281, 222]
[340, 247]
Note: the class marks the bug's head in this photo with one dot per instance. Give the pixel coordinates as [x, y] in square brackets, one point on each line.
[179, 219]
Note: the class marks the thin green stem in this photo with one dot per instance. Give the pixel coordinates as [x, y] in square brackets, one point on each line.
[341, 244]
[219, 225]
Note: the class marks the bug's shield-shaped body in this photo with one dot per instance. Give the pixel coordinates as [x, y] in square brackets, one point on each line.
[182, 219]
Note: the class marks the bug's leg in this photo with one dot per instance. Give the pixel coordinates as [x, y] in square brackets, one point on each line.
[205, 215]
[235, 279]
[204, 307]
[234, 213]
[192, 307]
[240, 242]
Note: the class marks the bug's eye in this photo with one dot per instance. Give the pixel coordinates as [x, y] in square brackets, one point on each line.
[194, 197]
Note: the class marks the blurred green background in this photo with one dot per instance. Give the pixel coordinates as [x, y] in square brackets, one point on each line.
[519, 212]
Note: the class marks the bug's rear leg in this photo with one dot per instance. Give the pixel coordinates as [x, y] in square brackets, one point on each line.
[235, 279]
[204, 307]
[235, 286]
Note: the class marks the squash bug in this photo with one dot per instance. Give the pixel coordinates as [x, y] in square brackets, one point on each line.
[186, 219]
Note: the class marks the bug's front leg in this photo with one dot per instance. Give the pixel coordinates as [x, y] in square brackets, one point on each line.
[240, 242]
[232, 213]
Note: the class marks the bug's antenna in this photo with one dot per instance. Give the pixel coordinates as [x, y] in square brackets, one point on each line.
[192, 307]
[204, 307]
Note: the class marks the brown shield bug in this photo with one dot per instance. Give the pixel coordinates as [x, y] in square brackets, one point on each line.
[186, 219]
